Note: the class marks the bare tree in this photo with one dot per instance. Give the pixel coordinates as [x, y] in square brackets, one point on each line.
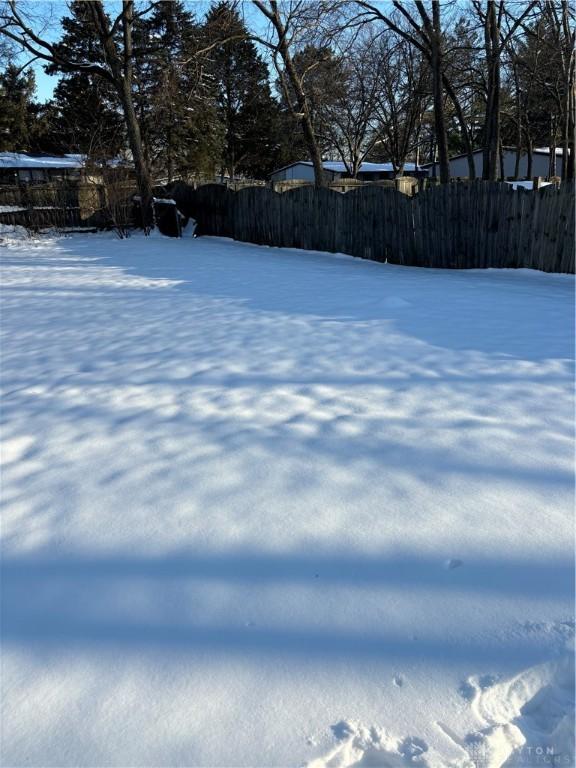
[424, 31]
[499, 27]
[559, 19]
[289, 23]
[532, 80]
[6, 51]
[351, 113]
[463, 78]
[403, 98]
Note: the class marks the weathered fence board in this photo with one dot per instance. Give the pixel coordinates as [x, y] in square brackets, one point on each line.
[60, 205]
[469, 225]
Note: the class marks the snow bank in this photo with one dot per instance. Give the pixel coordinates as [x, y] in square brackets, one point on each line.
[11, 208]
[12, 233]
[267, 507]
[22, 160]
[528, 721]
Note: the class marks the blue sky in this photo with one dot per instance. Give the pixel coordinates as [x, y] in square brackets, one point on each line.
[46, 17]
[45, 84]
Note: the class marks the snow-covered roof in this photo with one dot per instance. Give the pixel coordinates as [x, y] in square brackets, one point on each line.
[339, 167]
[547, 150]
[25, 160]
[336, 166]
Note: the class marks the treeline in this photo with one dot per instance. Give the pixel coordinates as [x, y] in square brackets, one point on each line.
[398, 80]
[200, 91]
[251, 86]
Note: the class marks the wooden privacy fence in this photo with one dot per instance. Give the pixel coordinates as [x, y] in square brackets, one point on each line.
[455, 226]
[44, 205]
[66, 205]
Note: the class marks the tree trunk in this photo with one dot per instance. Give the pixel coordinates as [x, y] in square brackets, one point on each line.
[170, 154]
[517, 162]
[303, 110]
[490, 169]
[434, 158]
[496, 139]
[356, 163]
[438, 95]
[568, 159]
[529, 157]
[320, 179]
[565, 148]
[142, 173]
[518, 105]
[552, 145]
[569, 173]
[463, 128]
[122, 72]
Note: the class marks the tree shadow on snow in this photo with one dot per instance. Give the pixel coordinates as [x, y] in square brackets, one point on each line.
[505, 312]
[128, 602]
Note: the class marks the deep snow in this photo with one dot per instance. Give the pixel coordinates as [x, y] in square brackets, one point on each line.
[269, 507]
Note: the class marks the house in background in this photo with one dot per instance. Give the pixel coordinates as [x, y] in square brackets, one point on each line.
[303, 170]
[38, 190]
[540, 164]
[26, 168]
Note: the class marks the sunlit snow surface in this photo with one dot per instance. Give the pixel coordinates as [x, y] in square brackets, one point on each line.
[270, 507]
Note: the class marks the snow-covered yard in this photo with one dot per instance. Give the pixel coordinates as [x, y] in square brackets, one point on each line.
[269, 507]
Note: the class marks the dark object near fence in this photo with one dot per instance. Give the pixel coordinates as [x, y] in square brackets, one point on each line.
[167, 217]
[454, 226]
[213, 201]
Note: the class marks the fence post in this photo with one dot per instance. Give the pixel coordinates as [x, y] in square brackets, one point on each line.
[537, 182]
[404, 185]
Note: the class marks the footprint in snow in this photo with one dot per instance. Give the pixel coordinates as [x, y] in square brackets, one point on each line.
[468, 690]
[487, 681]
[398, 681]
[412, 747]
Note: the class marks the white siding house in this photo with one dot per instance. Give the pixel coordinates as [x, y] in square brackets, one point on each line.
[540, 164]
[303, 170]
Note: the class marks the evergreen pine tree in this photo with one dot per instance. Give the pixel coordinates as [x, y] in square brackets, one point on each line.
[174, 101]
[85, 117]
[248, 111]
[85, 112]
[16, 109]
